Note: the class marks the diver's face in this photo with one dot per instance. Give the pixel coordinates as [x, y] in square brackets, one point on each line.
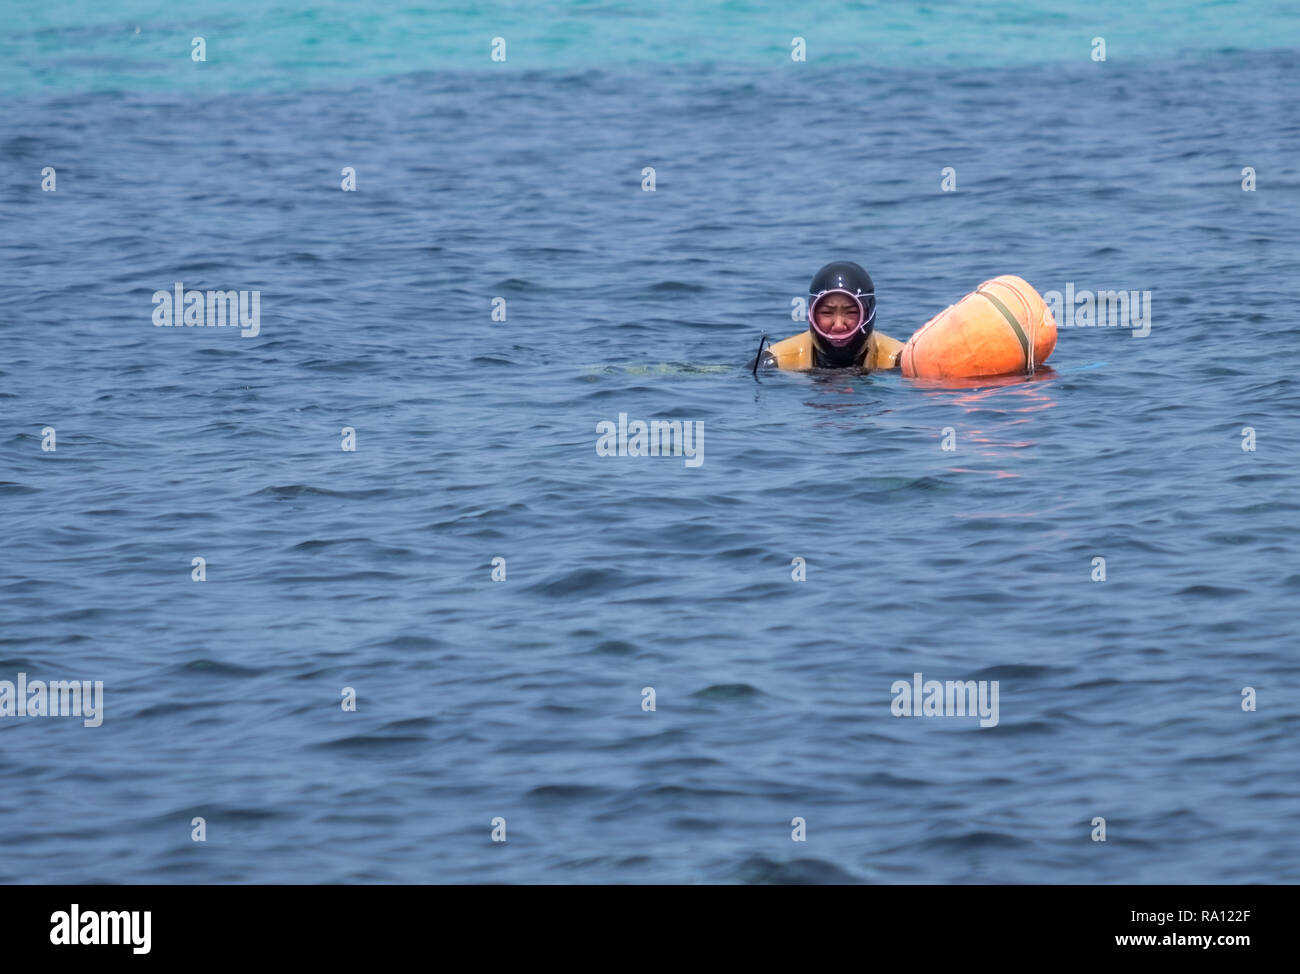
[837, 314]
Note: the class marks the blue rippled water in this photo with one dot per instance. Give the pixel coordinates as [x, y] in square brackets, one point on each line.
[475, 440]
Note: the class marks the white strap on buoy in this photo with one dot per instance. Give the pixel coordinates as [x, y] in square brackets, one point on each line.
[1029, 356]
[1033, 326]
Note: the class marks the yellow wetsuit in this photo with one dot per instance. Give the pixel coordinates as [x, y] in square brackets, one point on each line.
[796, 352]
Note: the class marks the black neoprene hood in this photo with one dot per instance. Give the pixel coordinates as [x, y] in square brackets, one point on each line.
[842, 275]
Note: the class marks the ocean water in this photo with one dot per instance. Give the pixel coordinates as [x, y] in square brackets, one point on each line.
[475, 440]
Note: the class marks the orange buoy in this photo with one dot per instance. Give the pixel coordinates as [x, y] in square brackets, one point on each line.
[1002, 327]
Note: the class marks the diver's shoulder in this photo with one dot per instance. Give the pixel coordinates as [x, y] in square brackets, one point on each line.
[794, 352]
[886, 352]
